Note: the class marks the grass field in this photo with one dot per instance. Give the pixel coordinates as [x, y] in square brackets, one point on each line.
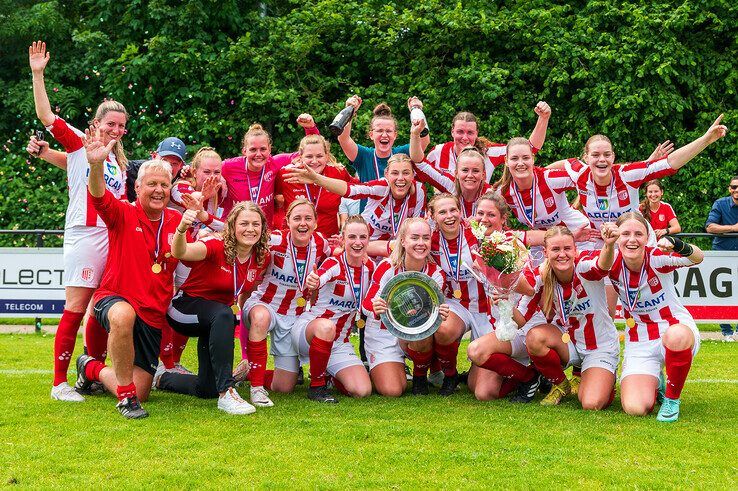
[411, 442]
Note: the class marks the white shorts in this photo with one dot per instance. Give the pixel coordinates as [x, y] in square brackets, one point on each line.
[519, 351]
[181, 274]
[478, 323]
[342, 353]
[85, 254]
[380, 345]
[647, 357]
[606, 357]
[281, 347]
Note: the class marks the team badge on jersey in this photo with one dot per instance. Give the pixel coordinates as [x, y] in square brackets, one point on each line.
[662, 217]
[549, 202]
[653, 281]
[623, 195]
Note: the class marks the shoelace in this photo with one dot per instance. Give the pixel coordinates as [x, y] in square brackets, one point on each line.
[235, 395]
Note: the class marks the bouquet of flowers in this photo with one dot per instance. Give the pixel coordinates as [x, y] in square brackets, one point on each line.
[500, 260]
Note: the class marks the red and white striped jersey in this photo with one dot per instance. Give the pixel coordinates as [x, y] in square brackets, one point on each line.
[379, 203]
[213, 206]
[385, 272]
[606, 203]
[585, 314]
[80, 210]
[650, 297]
[281, 287]
[446, 183]
[443, 157]
[544, 205]
[445, 254]
[338, 298]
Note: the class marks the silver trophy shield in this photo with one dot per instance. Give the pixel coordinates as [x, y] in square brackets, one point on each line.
[413, 301]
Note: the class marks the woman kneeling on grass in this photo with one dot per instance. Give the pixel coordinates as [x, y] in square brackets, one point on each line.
[660, 331]
[222, 268]
[321, 335]
[385, 351]
[570, 291]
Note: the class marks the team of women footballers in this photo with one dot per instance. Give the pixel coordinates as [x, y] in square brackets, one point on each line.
[258, 253]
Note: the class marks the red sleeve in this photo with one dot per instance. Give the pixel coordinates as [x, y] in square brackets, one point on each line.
[669, 213]
[213, 246]
[111, 210]
[374, 285]
[65, 135]
[312, 131]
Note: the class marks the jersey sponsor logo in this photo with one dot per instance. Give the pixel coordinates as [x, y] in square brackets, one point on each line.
[603, 203]
[112, 169]
[283, 278]
[548, 221]
[139, 229]
[604, 216]
[578, 308]
[653, 281]
[649, 305]
[223, 268]
[87, 274]
[343, 304]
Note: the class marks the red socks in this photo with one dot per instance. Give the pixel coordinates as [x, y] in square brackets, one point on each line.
[93, 369]
[435, 365]
[421, 361]
[508, 385]
[123, 391]
[447, 354]
[550, 366]
[678, 364]
[320, 351]
[166, 347]
[96, 339]
[66, 336]
[257, 356]
[508, 368]
[268, 377]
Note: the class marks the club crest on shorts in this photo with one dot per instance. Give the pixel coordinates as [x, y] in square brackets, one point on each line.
[87, 274]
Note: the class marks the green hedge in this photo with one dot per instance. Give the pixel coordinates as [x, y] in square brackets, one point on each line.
[204, 70]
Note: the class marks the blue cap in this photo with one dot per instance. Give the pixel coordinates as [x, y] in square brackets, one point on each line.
[172, 146]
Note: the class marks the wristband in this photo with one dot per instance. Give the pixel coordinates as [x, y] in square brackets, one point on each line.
[680, 247]
[181, 232]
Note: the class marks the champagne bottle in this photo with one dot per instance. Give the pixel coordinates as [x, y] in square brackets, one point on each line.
[416, 114]
[341, 120]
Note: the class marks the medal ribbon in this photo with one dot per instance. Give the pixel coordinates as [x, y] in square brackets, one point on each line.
[356, 290]
[157, 247]
[238, 289]
[455, 269]
[293, 250]
[310, 195]
[255, 199]
[518, 198]
[626, 281]
[563, 312]
[376, 165]
[403, 210]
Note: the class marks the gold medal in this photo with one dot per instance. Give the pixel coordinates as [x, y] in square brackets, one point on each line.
[235, 309]
[630, 322]
[156, 268]
[360, 323]
[168, 255]
[301, 302]
[565, 338]
[457, 293]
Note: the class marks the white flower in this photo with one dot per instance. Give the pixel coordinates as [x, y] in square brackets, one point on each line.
[478, 230]
[497, 237]
[505, 247]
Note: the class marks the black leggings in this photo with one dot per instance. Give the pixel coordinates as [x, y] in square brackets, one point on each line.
[213, 323]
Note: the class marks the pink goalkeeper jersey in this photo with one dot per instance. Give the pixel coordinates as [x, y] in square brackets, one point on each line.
[80, 211]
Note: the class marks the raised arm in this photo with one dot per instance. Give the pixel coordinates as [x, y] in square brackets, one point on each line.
[686, 153]
[610, 234]
[348, 145]
[416, 147]
[38, 57]
[662, 150]
[424, 140]
[181, 249]
[538, 136]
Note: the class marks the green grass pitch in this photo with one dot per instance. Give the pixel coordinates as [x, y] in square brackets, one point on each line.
[411, 442]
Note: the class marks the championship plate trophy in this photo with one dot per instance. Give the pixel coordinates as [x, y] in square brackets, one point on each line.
[413, 302]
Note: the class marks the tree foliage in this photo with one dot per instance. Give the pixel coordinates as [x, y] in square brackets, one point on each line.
[640, 72]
